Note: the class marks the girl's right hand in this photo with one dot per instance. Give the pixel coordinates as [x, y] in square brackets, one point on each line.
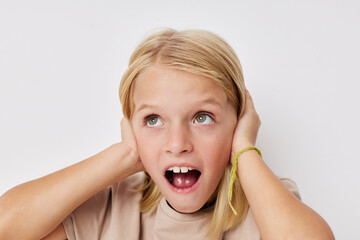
[129, 140]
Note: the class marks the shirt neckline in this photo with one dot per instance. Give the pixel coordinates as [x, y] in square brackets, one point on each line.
[201, 214]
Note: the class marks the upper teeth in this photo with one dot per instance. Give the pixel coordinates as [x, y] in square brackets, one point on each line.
[177, 169]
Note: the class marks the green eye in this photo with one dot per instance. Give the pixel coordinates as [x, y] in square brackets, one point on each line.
[153, 121]
[203, 119]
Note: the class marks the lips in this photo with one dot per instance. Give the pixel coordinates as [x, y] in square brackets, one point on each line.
[182, 177]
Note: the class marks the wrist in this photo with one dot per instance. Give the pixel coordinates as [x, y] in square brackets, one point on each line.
[250, 154]
[241, 146]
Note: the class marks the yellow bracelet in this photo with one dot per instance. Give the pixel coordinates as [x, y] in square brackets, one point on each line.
[234, 175]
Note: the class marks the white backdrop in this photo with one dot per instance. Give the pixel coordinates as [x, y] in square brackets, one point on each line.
[61, 63]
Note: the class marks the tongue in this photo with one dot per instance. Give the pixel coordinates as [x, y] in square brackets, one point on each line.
[185, 180]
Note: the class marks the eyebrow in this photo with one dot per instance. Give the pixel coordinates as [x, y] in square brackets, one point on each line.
[143, 106]
[212, 101]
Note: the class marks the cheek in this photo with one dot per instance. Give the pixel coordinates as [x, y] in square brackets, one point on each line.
[217, 149]
[222, 138]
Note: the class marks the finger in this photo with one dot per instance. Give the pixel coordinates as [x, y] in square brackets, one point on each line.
[126, 130]
[249, 104]
[248, 95]
[249, 99]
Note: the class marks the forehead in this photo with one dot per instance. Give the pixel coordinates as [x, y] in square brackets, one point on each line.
[160, 85]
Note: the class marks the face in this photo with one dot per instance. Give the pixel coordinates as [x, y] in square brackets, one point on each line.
[183, 124]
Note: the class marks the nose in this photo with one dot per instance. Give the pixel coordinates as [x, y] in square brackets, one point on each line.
[179, 140]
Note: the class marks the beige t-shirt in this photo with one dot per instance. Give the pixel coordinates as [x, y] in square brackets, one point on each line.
[114, 214]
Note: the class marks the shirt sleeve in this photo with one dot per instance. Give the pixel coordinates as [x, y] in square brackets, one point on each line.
[248, 228]
[87, 219]
[104, 213]
[291, 186]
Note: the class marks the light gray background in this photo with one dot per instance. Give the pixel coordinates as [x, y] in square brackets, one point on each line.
[61, 63]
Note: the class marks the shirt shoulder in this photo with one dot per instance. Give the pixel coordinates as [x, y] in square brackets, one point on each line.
[248, 229]
[291, 186]
[105, 214]
[129, 184]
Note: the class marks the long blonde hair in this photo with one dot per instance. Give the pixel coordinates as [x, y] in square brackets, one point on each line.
[204, 53]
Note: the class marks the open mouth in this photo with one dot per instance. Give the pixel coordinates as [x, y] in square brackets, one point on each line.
[182, 177]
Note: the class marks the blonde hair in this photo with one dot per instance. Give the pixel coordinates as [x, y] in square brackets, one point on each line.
[204, 53]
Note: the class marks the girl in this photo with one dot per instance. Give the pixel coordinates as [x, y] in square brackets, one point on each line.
[191, 126]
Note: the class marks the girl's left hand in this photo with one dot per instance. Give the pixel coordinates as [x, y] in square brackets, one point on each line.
[247, 127]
